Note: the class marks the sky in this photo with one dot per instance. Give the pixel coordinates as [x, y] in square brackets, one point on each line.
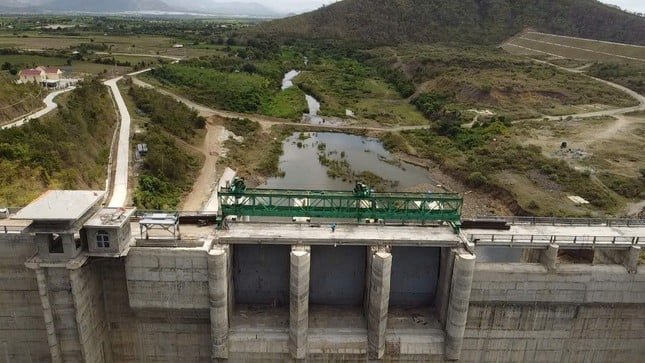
[297, 6]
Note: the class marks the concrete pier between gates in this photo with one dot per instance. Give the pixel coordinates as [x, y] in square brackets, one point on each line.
[462, 280]
[299, 302]
[218, 292]
[549, 257]
[379, 299]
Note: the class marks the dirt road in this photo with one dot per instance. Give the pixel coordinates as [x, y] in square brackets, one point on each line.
[203, 188]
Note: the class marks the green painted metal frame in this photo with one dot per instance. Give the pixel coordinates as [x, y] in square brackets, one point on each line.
[335, 204]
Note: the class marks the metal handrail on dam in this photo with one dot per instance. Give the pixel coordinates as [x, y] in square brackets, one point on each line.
[561, 221]
[542, 241]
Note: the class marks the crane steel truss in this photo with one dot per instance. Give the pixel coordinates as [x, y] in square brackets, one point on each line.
[340, 204]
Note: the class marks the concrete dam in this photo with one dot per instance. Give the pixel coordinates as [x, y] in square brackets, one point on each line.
[83, 283]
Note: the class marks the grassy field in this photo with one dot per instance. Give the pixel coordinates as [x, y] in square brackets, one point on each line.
[606, 148]
[485, 79]
[75, 67]
[346, 84]
[532, 43]
[138, 44]
[624, 50]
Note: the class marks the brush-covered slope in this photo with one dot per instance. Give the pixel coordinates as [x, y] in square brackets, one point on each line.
[17, 99]
[470, 21]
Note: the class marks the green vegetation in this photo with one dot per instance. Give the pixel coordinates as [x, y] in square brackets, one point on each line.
[627, 187]
[168, 170]
[630, 75]
[257, 154]
[67, 150]
[485, 154]
[242, 127]
[240, 92]
[340, 82]
[474, 22]
[171, 165]
[174, 117]
[338, 167]
[17, 100]
[289, 104]
[452, 80]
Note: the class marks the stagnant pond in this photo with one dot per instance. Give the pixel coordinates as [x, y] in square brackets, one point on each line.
[303, 169]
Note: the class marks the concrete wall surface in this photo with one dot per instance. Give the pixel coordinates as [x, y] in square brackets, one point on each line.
[167, 278]
[579, 313]
[579, 284]
[157, 305]
[151, 335]
[62, 303]
[87, 294]
[23, 337]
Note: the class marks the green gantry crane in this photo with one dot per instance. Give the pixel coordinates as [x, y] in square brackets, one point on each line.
[361, 203]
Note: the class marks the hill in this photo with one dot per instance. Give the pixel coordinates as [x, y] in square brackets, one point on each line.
[17, 100]
[470, 21]
[67, 149]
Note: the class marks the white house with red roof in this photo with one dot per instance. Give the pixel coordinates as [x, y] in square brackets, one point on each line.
[51, 73]
[45, 75]
[32, 75]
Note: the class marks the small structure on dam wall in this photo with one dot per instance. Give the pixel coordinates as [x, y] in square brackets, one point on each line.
[77, 286]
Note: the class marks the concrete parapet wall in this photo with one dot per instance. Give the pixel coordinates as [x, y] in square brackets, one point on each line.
[167, 278]
[23, 337]
[578, 284]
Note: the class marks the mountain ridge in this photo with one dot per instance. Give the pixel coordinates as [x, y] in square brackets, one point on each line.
[463, 21]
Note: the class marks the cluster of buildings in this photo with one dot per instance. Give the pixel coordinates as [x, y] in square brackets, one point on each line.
[47, 77]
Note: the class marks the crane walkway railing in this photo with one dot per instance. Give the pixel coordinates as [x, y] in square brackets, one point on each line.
[542, 241]
[560, 221]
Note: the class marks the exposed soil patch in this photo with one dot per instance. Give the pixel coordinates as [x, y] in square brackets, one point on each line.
[211, 148]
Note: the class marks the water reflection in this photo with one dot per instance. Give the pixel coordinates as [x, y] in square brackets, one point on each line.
[303, 170]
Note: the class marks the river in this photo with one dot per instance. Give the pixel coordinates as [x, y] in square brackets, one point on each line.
[313, 104]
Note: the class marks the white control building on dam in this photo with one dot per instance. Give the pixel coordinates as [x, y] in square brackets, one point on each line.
[82, 283]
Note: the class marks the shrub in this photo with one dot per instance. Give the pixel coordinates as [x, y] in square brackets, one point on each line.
[477, 179]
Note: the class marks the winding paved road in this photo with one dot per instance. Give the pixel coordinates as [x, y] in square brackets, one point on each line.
[120, 185]
[50, 106]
